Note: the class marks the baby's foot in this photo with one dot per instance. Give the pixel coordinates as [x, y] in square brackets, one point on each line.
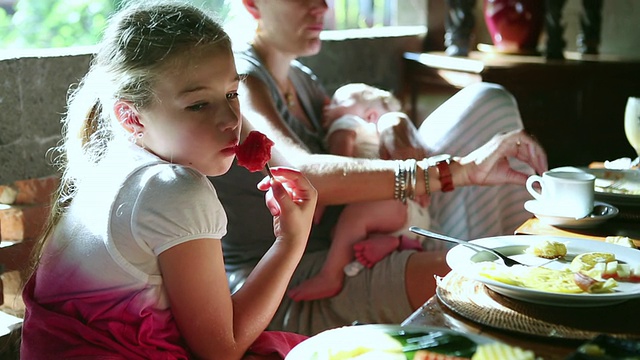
[318, 287]
[370, 251]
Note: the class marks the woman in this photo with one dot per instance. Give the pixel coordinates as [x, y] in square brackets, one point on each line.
[283, 99]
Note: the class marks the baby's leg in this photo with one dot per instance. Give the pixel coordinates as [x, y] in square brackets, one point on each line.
[355, 224]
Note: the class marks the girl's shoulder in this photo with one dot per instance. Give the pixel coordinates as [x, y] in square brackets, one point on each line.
[170, 179]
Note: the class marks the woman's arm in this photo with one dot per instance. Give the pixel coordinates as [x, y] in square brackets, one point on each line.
[214, 323]
[342, 180]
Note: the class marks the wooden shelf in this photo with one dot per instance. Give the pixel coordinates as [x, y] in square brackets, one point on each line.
[574, 107]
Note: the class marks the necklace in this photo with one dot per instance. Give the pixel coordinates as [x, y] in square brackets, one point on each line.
[289, 94]
[290, 99]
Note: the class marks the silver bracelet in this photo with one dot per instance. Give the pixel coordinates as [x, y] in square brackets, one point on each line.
[411, 166]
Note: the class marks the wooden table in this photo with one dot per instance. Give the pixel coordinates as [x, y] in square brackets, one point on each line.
[435, 312]
[612, 227]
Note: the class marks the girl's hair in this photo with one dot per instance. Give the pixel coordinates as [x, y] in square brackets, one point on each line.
[141, 42]
[370, 95]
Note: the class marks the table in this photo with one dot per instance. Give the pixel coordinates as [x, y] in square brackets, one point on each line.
[435, 313]
[574, 107]
[612, 227]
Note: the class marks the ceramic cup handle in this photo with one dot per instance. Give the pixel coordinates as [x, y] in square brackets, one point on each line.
[532, 180]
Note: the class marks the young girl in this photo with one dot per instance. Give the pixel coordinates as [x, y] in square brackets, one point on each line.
[131, 263]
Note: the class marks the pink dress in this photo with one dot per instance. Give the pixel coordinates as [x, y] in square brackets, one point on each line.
[98, 291]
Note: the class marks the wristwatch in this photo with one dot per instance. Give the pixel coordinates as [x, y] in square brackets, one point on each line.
[441, 162]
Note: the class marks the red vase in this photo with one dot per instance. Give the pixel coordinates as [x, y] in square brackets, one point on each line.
[514, 25]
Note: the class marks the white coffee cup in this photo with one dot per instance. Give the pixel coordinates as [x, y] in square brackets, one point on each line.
[564, 193]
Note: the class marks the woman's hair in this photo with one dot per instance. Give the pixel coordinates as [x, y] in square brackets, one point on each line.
[141, 41]
[369, 95]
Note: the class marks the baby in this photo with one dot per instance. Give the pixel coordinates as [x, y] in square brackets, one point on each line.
[368, 231]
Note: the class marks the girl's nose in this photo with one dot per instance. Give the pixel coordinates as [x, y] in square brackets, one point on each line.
[319, 7]
[230, 118]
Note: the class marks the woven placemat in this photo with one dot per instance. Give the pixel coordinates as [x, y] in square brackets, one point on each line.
[473, 300]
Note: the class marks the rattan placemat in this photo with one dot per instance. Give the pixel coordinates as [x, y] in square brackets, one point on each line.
[473, 300]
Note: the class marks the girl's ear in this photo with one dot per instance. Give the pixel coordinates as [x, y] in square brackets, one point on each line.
[128, 117]
[251, 7]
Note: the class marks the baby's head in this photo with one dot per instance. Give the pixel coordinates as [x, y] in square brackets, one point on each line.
[362, 100]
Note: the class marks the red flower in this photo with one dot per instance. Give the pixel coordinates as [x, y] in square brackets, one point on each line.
[255, 151]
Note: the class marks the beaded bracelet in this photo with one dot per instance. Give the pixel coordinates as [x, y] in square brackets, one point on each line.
[400, 182]
[425, 167]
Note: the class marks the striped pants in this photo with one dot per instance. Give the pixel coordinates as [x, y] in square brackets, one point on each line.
[463, 123]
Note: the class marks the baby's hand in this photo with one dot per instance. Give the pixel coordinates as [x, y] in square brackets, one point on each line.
[291, 199]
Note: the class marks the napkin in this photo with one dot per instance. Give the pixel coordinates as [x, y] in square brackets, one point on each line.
[618, 164]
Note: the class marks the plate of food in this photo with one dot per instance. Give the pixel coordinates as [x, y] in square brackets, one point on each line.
[397, 342]
[617, 186]
[558, 271]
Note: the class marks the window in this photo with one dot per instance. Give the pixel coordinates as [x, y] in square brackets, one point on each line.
[64, 23]
[350, 14]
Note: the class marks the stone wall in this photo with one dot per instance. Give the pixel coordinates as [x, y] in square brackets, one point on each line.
[33, 91]
[34, 86]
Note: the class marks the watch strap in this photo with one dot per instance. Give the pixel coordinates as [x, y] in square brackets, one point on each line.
[446, 181]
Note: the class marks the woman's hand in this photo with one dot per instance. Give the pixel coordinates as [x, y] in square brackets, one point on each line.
[489, 164]
[291, 199]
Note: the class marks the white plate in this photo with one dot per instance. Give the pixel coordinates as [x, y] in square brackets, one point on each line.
[626, 191]
[460, 257]
[313, 347]
[534, 207]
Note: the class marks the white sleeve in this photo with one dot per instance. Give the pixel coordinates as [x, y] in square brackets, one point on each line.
[176, 204]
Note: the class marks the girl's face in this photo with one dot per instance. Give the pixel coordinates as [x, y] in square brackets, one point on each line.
[195, 117]
[292, 26]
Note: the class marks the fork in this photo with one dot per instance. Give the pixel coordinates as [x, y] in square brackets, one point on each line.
[430, 234]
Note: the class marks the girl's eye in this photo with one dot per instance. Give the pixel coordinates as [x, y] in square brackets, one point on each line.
[196, 107]
[232, 95]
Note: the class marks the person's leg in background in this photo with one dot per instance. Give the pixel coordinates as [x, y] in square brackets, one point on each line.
[463, 123]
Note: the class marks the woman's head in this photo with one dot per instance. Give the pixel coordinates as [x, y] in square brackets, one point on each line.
[290, 26]
[145, 46]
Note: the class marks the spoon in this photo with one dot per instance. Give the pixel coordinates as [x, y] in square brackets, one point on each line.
[599, 210]
[506, 260]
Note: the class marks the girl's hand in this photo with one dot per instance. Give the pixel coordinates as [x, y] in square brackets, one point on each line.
[291, 199]
[489, 164]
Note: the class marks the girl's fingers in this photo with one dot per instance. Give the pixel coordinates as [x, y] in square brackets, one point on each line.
[288, 187]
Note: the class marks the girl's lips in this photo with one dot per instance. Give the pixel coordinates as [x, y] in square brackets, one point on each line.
[228, 151]
[316, 27]
[231, 149]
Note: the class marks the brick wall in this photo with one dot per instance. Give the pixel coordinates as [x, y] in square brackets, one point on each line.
[24, 208]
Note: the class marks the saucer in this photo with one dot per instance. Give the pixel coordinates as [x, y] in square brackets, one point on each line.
[534, 207]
